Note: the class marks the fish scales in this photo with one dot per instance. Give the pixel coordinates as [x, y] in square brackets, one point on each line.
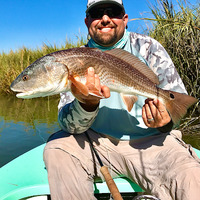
[119, 70]
[108, 68]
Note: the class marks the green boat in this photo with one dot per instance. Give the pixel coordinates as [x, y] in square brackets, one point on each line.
[25, 177]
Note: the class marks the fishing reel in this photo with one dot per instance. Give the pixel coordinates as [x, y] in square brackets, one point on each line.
[145, 197]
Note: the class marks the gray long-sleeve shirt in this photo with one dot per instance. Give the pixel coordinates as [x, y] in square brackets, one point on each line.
[111, 117]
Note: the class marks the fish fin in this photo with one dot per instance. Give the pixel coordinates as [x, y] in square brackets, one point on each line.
[96, 92]
[135, 62]
[97, 95]
[80, 86]
[129, 100]
[178, 104]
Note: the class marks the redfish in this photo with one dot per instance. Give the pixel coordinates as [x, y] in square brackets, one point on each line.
[121, 71]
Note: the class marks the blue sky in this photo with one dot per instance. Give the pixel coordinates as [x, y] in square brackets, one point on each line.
[31, 23]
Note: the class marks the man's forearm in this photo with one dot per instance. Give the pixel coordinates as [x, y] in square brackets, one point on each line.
[75, 119]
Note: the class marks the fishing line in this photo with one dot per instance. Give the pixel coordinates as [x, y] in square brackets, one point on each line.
[94, 150]
[104, 170]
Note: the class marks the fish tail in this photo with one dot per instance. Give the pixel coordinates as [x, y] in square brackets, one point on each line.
[177, 105]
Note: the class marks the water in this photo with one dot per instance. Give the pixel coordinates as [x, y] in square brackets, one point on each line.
[25, 124]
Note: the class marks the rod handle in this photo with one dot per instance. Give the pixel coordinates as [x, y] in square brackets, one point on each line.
[111, 184]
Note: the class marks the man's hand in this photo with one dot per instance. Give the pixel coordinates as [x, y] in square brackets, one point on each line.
[155, 114]
[90, 103]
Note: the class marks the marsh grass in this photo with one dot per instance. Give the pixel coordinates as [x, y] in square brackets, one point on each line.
[177, 28]
[13, 63]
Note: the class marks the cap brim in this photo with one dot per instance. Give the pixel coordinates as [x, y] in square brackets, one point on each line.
[104, 2]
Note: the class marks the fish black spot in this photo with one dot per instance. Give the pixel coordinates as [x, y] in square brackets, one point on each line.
[172, 96]
[25, 78]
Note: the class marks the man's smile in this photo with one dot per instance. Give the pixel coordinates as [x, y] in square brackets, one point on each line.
[105, 29]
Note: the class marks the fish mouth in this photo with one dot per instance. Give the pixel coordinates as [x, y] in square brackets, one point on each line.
[22, 93]
[29, 94]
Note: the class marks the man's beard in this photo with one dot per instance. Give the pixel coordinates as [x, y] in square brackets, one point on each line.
[105, 39]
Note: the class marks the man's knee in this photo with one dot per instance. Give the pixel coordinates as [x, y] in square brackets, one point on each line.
[188, 184]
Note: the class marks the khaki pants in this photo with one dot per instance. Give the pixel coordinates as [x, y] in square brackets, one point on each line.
[162, 165]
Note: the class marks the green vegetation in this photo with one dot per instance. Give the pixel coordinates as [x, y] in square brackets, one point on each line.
[13, 63]
[176, 28]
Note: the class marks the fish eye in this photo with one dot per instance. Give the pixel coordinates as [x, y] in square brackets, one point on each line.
[172, 96]
[25, 78]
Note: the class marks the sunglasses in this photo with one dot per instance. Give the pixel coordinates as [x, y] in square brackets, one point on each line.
[112, 12]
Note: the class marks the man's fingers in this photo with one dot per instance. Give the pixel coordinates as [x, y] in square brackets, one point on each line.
[151, 111]
[155, 114]
[90, 78]
[161, 108]
[148, 111]
[105, 91]
[97, 82]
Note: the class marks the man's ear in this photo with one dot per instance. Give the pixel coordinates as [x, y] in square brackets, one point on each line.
[86, 22]
[125, 18]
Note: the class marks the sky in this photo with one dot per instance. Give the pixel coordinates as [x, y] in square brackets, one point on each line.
[31, 23]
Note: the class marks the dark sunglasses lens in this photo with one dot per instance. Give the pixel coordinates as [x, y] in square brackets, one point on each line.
[111, 12]
[116, 11]
[95, 13]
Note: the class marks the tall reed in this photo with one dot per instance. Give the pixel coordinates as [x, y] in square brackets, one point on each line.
[177, 28]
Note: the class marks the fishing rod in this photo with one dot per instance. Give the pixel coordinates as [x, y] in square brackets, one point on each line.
[104, 170]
